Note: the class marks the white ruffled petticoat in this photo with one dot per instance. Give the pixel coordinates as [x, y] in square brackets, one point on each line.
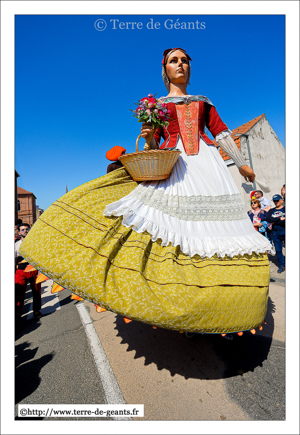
[198, 208]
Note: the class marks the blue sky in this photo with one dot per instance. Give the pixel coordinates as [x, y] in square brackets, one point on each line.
[75, 85]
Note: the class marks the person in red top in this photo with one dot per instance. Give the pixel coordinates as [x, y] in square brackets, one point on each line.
[23, 278]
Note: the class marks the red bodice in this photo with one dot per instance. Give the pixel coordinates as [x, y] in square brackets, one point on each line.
[187, 122]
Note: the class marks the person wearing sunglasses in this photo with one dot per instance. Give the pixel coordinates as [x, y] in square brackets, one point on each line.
[179, 253]
[265, 202]
[23, 230]
[23, 278]
[276, 217]
[256, 214]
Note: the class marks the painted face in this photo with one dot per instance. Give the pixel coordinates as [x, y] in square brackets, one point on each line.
[177, 67]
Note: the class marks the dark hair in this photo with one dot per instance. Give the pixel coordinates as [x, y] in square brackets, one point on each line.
[259, 191]
[23, 225]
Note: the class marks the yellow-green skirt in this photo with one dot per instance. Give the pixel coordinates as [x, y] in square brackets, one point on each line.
[99, 259]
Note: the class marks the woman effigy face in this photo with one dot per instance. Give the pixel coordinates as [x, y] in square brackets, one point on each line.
[177, 67]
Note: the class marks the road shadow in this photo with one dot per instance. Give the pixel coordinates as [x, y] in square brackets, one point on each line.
[27, 370]
[205, 356]
[25, 326]
[273, 260]
[65, 298]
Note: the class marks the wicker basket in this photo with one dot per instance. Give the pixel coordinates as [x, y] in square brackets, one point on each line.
[149, 165]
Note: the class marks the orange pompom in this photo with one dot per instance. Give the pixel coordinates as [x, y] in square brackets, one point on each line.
[100, 309]
[154, 327]
[29, 268]
[56, 288]
[253, 331]
[240, 333]
[114, 153]
[126, 320]
[41, 278]
[223, 335]
[76, 298]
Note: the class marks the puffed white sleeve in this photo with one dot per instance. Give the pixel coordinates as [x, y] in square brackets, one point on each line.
[225, 141]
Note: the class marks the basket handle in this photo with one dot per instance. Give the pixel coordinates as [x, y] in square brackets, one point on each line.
[147, 141]
[137, 142]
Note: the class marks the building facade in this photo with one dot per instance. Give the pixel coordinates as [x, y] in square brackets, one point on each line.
[17, 202]
[263, 151]
[39, 211]
[27, 212]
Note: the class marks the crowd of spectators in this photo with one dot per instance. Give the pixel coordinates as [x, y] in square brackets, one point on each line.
[270, 221]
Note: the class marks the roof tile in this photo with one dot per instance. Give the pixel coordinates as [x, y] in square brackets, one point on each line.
[241, 130]
[23, 191]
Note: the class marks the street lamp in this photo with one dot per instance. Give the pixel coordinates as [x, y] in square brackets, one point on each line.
[249, 153]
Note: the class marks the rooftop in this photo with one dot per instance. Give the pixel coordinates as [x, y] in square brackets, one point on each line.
[24, 192]
[241, 130]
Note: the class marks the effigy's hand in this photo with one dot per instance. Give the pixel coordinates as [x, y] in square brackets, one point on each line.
[247, 173]
[146, 130]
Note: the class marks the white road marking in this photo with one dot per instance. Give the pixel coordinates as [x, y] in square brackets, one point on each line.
[113, 393]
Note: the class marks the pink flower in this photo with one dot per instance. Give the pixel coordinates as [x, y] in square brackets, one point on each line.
[150, 105]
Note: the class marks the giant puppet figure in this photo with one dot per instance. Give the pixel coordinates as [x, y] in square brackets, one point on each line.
[179, 253]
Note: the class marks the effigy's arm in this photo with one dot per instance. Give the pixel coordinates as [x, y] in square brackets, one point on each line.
[225, 141]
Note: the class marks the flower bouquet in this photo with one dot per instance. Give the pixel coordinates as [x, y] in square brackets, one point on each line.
[152, 111]
[150, 164]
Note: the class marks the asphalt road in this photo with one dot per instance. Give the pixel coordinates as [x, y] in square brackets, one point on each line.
[203, 378]
[54, 363]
